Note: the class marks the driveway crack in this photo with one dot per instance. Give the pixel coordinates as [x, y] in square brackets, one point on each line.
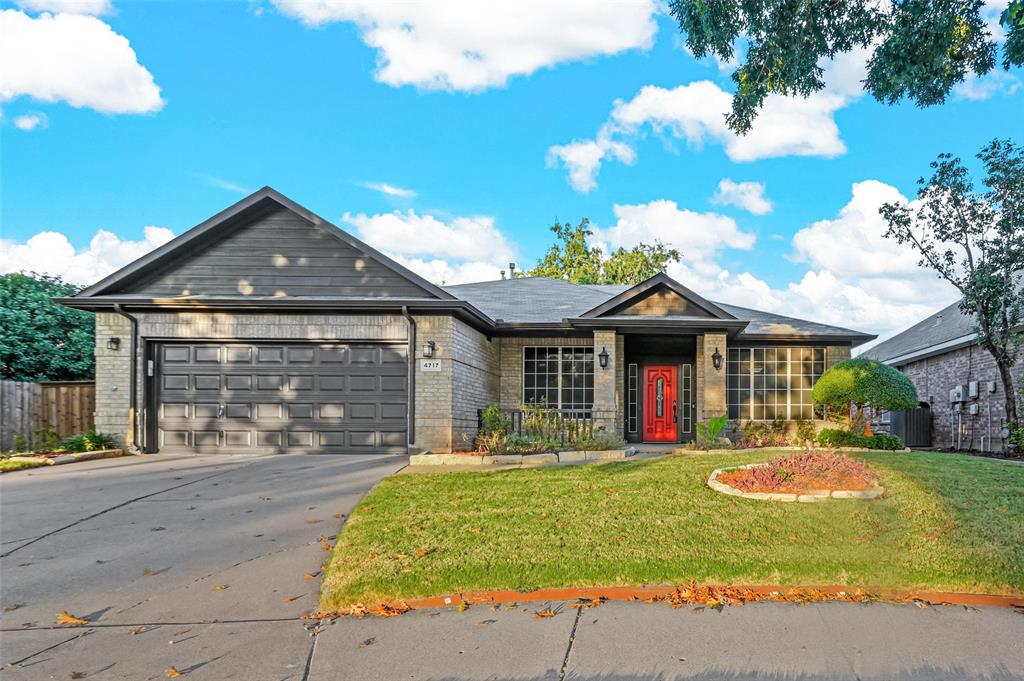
[115, 507]
[568, 649]
[46, 649]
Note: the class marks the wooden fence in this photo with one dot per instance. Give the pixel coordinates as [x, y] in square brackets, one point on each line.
[63, 406]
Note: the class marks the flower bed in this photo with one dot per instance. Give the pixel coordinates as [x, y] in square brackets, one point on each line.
[808, 476]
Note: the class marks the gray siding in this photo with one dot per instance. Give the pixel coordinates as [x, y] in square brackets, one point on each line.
[278, 254]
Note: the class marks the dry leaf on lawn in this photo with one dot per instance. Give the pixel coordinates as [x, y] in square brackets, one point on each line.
[424, 552]
[65, 618]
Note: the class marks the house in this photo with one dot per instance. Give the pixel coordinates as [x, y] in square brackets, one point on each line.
[955, 379]
[268, 329]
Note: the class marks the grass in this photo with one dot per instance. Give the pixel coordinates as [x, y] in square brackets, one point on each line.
[8, 466]
[947, 522]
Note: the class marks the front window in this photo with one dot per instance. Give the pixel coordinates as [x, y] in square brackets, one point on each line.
[765, 384]
[560, 377]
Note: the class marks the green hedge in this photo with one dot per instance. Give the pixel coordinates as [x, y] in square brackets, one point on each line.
[844, 438]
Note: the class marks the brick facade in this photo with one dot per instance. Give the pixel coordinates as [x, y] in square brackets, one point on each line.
[935, 376]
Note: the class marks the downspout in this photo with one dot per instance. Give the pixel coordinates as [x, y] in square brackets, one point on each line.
[133, 406]
[412, 374]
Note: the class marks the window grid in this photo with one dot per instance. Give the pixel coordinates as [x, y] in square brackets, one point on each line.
[687, 412]
[767, 383]
[560, 377]
[631, 398]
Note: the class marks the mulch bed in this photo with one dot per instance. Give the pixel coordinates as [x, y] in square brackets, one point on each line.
[798, 485]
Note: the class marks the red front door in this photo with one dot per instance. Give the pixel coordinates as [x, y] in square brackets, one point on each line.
[660, 404]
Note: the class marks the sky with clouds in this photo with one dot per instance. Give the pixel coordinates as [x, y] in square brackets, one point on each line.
[451, 136]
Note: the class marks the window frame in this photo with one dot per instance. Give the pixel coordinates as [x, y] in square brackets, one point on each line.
[742, 388]
[583, 408]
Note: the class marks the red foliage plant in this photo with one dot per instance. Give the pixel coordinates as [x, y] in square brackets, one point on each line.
[810, 469]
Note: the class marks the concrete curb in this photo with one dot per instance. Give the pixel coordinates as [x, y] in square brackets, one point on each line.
[531, 460]
[805, 497]
[905, 450]
[70, 457]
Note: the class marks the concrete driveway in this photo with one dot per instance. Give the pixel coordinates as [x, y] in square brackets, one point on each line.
[137, 547]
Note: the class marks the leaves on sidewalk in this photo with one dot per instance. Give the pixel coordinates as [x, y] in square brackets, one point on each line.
[311, 575]
[219, 587]
[544, 614]
[172, 673]
[65, 618]
[138, 630]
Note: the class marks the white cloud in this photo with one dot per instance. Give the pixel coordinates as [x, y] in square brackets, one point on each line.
[93, 7]
[785, 126]
[996, 82]
[389, 189]
[53, 253]
[746, 195]
[456, 251]
[28, 122]
[73, 58]
[699, 237]
[469, 46]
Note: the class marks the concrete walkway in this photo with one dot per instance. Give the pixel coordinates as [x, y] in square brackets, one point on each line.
[137, 546]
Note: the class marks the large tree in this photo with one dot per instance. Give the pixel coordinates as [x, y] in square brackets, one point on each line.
[974, 239]
[39, 339]
[919, 49]
[572, 258]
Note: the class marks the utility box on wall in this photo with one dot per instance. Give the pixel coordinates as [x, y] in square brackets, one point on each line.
[957, 394]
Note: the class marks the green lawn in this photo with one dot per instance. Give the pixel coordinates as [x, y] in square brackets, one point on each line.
[947, 522]
[7, 466]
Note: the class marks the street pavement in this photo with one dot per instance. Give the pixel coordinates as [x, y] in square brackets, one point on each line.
[199, 563]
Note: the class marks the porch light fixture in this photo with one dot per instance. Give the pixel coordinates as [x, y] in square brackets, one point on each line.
[602, 358]
[716, 360]
[428, 349]
[113, 343]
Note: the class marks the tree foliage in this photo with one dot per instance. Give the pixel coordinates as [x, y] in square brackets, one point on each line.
[975, 241]
[865, 385]
[920, 48]
[572, 258]
[39, 339]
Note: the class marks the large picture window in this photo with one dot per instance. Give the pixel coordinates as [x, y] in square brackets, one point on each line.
[560, 377]
[764, 384]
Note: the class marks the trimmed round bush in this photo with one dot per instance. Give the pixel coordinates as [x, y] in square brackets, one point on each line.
[863, 384]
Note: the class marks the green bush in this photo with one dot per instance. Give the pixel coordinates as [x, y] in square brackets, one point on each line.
[89, 441]
[46, 440]
[708, 432]
[495, 420]
[756, 434]
[806, 433]
[833, 437]
[865, 385]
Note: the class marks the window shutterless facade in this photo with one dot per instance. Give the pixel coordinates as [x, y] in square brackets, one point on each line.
[768, 383]
[560, 377]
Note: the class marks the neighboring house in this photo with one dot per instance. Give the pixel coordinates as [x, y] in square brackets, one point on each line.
[957, 380]
[268, 329]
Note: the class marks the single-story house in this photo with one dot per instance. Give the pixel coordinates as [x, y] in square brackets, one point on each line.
[957, 380]
[268, 329]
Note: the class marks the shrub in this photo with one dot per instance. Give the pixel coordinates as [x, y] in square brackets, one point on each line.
[806, 433]
[46, 440]
[833, 437]
[89, 441]
[709, 431]
[764, 434]
[494, 420]
[865, 385]
[810, 468]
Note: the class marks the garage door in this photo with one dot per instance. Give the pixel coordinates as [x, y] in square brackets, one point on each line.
[273, 397]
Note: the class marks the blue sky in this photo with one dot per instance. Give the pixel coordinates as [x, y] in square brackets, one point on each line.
[329, 102]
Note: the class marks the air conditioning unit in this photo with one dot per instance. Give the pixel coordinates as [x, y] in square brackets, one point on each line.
[957, 394]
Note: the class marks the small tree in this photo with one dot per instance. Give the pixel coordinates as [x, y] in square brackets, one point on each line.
[975, 241]
[572, 258]
[854, 389]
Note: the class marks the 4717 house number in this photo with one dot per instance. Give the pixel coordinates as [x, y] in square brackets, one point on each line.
[430, 365]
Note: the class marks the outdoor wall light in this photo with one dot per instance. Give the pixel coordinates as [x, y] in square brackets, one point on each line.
[716, 360]
[602, 358]
[113, 343]
[428, 349]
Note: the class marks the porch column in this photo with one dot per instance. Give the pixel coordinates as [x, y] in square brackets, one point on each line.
[607, 398]
[711, 381]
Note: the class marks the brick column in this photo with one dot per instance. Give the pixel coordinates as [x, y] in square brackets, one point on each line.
[606, 398]
[713, 398]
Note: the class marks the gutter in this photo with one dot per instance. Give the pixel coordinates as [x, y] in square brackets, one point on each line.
[411, 410]
[133, 398]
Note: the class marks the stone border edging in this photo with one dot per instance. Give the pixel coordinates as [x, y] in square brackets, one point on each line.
[749, 450]
[70, 457]
[520, 459]
[814, 495]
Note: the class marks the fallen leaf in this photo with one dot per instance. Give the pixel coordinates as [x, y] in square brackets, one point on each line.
[339, 516]
[463, 606]
[148, 572]
[180, 632]
[325, 547]
[219, 587]
[311, 575]
[65, 618]
[323, 538]
[475, 530]
[366, 509]
[367, 642]
[401, 556]
[511, 606]
[486, 623]
[424, 552]
[138, 630]
[172, 673]
[544, 614]
[78, 675]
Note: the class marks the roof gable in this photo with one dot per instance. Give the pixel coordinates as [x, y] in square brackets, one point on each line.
[659, 296]
[266, 245]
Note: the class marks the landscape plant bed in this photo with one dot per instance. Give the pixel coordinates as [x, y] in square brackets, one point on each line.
[56, 458]
[812, 475]
[948, 524]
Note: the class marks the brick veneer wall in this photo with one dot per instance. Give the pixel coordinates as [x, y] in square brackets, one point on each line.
[935, 376]
[511, 363]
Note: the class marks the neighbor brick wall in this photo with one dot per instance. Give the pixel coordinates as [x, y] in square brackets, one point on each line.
[935, 376]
